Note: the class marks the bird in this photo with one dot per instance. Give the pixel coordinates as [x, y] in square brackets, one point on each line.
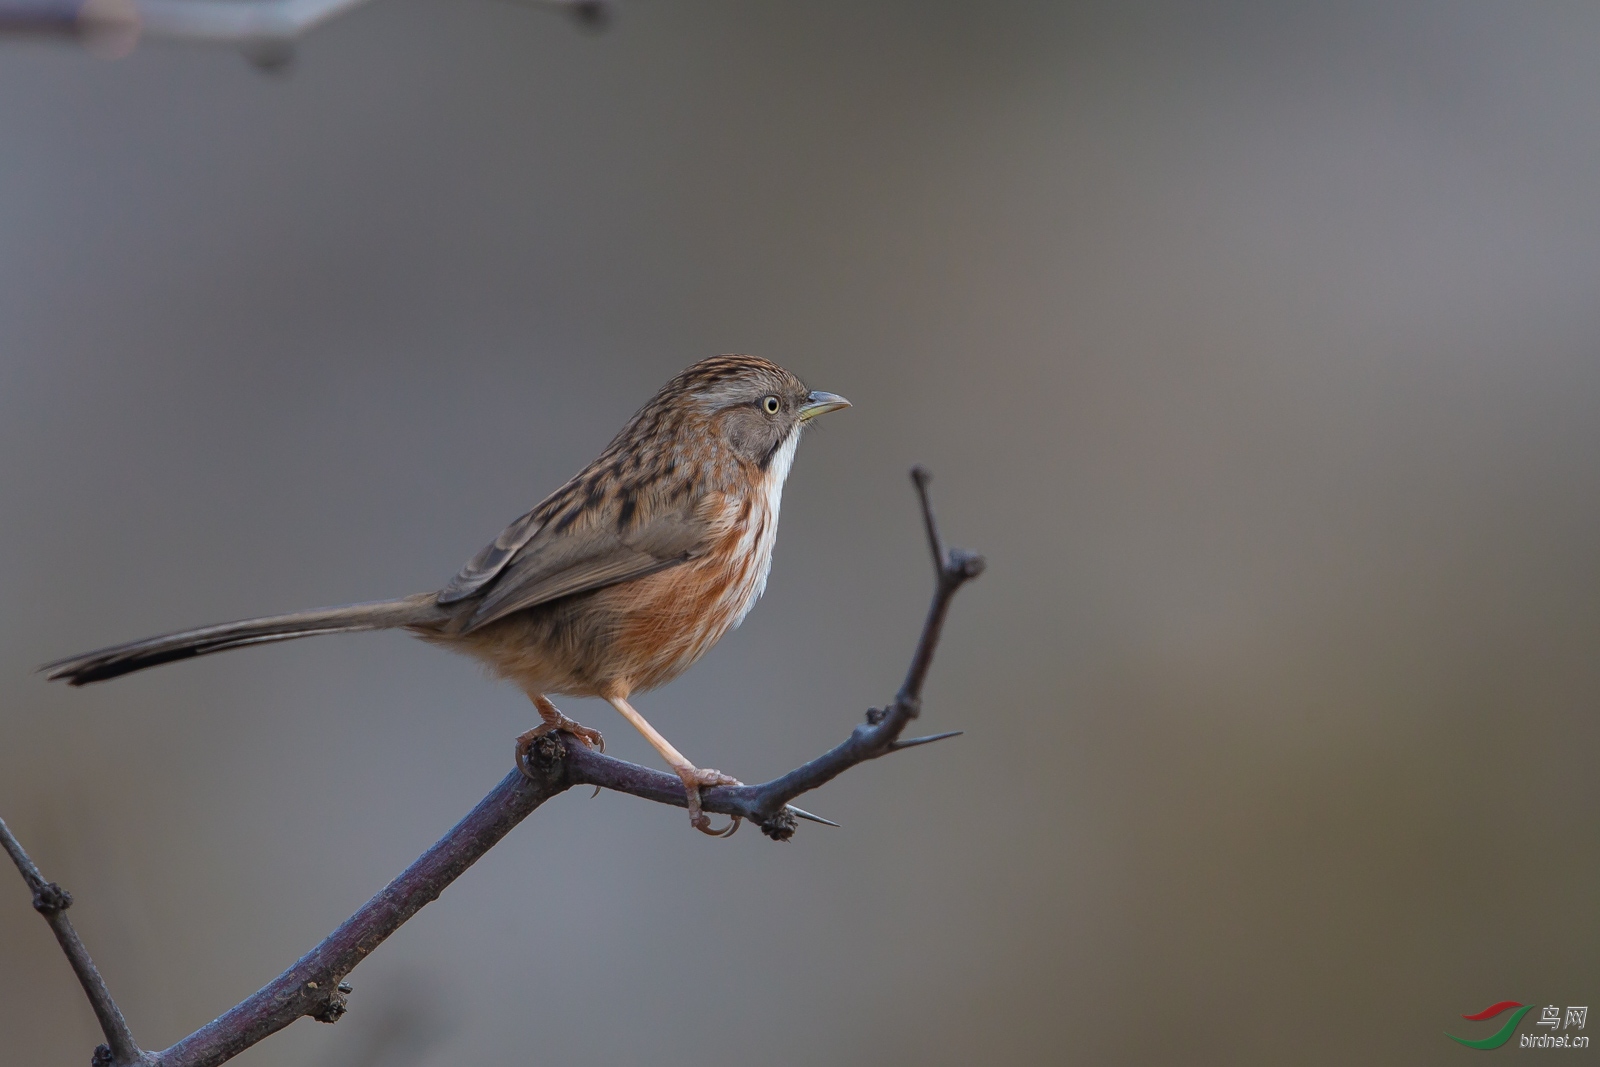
[612, 585]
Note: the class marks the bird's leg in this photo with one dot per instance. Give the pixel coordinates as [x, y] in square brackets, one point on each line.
[553, 720]
[693, 777]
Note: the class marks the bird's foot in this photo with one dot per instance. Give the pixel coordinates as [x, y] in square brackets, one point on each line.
[553, 721]
[693, 779]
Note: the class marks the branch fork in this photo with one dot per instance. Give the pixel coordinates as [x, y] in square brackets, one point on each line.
[314, 986]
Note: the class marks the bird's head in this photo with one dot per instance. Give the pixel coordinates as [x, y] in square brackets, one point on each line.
[754, 407]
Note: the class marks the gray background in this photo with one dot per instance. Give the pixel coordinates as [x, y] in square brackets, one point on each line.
[1258, 348]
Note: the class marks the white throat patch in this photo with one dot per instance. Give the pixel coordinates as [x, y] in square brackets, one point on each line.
[764, 533]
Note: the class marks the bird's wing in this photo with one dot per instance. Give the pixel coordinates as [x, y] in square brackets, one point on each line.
[543, 555]
[483, 568]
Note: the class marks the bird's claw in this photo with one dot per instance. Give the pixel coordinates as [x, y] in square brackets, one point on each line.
[593, 738]
[693, 779]
[702, 822]
[707, 776]
[561, 723]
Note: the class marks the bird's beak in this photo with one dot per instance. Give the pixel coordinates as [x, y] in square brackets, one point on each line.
[820, 403]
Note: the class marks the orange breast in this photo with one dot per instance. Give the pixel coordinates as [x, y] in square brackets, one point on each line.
[671, 619]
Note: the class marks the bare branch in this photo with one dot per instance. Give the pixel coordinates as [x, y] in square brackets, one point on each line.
[315, 986]
[51, 901]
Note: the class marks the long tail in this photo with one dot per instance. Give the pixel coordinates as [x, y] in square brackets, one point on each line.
[418, 610]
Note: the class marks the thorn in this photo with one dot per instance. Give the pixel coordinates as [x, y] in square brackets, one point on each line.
[807, 815]
[928, 740]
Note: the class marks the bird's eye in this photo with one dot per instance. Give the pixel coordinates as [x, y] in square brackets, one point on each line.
[770, 405]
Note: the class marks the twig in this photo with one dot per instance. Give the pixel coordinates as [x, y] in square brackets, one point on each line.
[315, 986]
[51, 901]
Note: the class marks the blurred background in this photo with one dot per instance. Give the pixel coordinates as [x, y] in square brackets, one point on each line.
[1257, 346]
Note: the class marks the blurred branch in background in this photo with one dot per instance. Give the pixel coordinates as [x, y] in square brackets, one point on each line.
[265, 30]
[52, 902]
[314, 987]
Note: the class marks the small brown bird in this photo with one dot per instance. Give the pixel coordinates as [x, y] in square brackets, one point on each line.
[613, 584]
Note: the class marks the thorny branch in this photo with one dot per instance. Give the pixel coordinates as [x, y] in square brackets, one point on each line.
[315, 985]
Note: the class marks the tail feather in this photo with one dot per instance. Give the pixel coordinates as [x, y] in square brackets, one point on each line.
[97, 666]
